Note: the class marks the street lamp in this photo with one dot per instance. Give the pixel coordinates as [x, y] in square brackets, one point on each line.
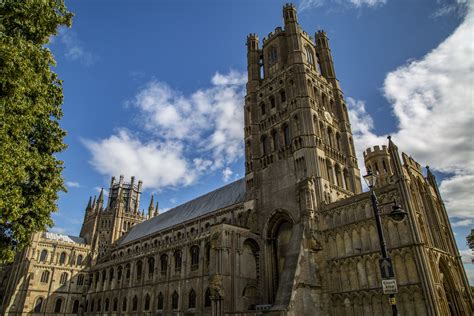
[389, 284]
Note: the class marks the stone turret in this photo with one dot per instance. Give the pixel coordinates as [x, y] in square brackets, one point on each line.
[377, 160]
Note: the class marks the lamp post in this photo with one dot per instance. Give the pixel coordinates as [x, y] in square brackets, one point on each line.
[386, 267]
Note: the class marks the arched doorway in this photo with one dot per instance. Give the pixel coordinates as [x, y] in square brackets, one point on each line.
[452, 297]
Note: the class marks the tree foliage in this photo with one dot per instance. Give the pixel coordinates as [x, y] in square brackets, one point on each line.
[30, 108]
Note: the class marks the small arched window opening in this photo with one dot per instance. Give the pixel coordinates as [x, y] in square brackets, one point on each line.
[309, 56]
[384, 166]
[319, 64]
[127, 271]
[262, 108]
[177, 260]
[135, 303]
[330, 137]
[265, 149]
[99, 305]
[272, 55]
[80, 279]
[62, 258]
[58, 305]
[115, 305]
[207, 298]
[111, 275]
[208, 253]
[45, 276]
[164, 263]
[282, 96]
[107, 303]
[75, 307]
[286, 135]
[119, 273]
[160, 301]
[44, 255]
[151, 266]
[194, 257]
[92, 305]
[275, 140]
[139, 270]
[63, 278]
[124, 304]
[338, 141]
[79, 260]
[192, 299]
[38, 305]
[147, 302]
[272, 102]
[174, 300]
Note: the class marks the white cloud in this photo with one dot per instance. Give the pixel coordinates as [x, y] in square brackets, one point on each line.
[432, 99]
[72, 184]
[462, 223]
[466, 255]
[191, 134]
[58, 230]
[226, 174]
[312, 4]
[74, 48]
[459, 7]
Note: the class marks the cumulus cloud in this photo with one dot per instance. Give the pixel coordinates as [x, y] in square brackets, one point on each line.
[191, 134]
[73, 184]
[312, 4]
[226, 174]
[74, 48]
[432, 99]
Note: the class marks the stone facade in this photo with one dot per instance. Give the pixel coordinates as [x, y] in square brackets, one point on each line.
[296, 236]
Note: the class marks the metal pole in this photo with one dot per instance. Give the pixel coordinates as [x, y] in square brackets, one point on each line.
[383, 247]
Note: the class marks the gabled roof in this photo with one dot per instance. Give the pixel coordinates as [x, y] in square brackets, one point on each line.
[228, 195]
[64, 238]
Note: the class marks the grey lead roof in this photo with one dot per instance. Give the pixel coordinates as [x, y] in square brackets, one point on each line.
[228, 195]
[65, 238]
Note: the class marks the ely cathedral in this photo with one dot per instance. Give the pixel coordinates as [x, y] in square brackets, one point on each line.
[295, 236]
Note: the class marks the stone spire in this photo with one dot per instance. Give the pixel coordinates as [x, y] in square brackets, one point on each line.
[151, 209]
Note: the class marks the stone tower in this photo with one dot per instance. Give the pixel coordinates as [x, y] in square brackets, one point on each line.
[299, 150]
[377, 161]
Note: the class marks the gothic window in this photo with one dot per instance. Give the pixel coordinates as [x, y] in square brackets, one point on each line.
[319, 64]
[99, 305]
[160, 301]
[282, 96]
[92, 305]
[275, 140]
[115, 305]
[330, 137]
[309, 56]
[44, 255]
[85, 305]
[104, 276]
[262, 108]
[135, 303]
[207, 298]
[79, 260]
[139, 270]
[45, 276]
[107, 303]
[286, 134]
[57, 305]
[338, 141]
[111, 275]
[63, 278]
[164, 263]
[208, 253]
[75, 307]
[177, 260]
[80, 279]
[174, 300]
[127, 271]
[265, 149]
[194, 257]
[62, 258]
[272, 55]
[151, 266]
[124, 304]
[147, 302]
[119, 273]
[272, 102]
[38, 305]
[192, 299]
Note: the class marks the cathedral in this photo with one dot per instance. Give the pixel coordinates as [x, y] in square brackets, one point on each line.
[295, 236]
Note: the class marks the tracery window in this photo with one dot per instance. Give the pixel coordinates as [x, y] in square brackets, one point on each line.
[309, 55]
[207, 298]
[272, 55]
[177, 260]
[79, 260]
[174, 300]
[38, 305]
[45, 276]
[62, 258]
[194, 257]
[192, 299]
[63, 278]
[151, 266]
[80, 279]
[44, 255]
[160, 301]
[164, 263]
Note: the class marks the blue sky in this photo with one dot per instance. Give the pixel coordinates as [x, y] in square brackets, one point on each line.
[154, 89]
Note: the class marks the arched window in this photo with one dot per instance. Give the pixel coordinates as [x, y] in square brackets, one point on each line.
[127, 271]
[262, 108]
[309, 56]
[38, 305]
[111, 275]
[272, 55]
[207, 298]
[107, 303]
[75, 307]
[44, 255]
[338, 141]
[174, 300]
[286, 134]
[139, 270]
[147, 302]
[275, 140]
[79, 260]
[45, 276]
[192, 299]
[151, 266]
[119, 273]
[63, 278]
[135, 303]
[104, 276]
[177, 260]
[194, 257]
[124, 304]
[80, 279]
[265, 149]
[160, 301]
[164, 263]
[330, 137]
[115, 305]
[58, 305]
[282, 96]
[62, 258]
[99, 307]
[272, 102]
[92, 305]
[208, 253]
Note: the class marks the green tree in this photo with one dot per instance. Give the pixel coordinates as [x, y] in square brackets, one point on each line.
[30, 108]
